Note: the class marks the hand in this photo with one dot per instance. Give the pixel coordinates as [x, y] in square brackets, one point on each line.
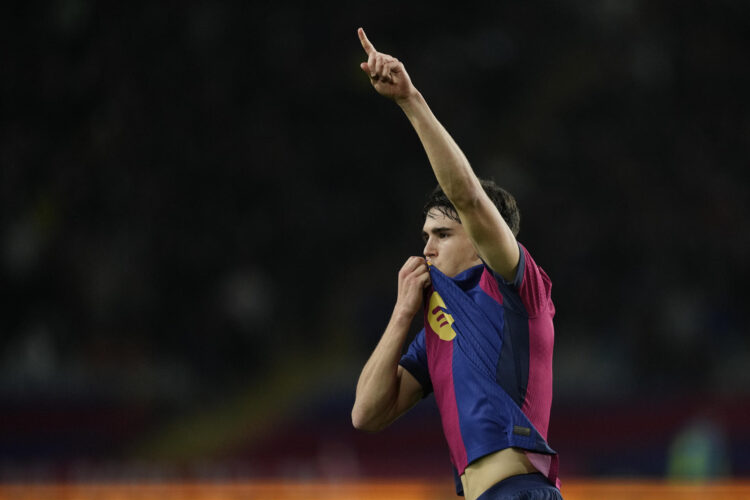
[413, 278]
[387, 74]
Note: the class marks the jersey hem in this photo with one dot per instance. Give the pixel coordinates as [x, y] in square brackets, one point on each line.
[477, 453]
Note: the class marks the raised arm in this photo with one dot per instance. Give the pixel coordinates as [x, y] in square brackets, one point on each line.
[485, 226]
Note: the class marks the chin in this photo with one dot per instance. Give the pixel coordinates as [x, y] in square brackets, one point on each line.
[451, 273]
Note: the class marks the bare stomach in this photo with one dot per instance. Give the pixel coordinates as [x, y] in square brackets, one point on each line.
[493, 468]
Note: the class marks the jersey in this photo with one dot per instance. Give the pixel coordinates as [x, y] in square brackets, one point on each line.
[486, 353]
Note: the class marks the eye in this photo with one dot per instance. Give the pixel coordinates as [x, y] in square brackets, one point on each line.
[442, 235]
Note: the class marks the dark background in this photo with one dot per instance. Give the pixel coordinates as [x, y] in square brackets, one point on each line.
[204, 206]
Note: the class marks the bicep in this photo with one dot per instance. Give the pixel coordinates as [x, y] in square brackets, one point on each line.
[491, 236]
[409, 393]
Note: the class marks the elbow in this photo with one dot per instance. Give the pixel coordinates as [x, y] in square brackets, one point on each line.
[466, 199]
[363, 422]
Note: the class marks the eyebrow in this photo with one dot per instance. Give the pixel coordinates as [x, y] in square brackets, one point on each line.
[436, 230]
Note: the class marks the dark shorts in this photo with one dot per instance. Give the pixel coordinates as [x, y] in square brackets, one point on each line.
[522, 487]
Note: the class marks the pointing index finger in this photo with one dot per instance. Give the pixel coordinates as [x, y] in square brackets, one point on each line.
[369, 48]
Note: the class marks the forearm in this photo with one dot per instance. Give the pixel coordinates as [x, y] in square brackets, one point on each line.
[378, 385]
[451, 168]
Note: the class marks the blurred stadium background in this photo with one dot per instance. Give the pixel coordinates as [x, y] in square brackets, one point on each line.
[204, 207]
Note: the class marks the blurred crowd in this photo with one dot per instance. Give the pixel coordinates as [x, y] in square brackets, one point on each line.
[198, 200]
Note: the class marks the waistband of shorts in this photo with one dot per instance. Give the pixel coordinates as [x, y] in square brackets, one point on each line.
[521, 482]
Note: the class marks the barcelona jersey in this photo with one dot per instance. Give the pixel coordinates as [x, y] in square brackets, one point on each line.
[486, 353]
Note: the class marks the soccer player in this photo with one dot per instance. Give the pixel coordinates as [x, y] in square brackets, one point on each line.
[486, 347]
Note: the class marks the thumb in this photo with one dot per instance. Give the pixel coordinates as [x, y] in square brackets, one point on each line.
[365, 67]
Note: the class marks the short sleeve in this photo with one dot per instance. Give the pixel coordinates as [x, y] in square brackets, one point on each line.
[415, 362]
[530, 284]
[535, 288]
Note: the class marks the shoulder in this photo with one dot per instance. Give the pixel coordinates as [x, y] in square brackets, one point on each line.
[535, 287]
[531, 285]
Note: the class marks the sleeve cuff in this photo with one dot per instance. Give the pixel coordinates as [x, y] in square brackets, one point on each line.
[415, 371]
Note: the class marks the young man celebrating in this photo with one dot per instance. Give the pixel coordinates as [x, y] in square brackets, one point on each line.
[486, 347]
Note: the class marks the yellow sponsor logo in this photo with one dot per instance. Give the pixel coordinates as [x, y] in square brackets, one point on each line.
[440, 321]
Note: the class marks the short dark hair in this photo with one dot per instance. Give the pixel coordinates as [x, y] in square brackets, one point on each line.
[503, 200]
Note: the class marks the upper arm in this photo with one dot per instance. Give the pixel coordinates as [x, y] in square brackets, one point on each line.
[409, 393]
[491, 235]
[413, 380]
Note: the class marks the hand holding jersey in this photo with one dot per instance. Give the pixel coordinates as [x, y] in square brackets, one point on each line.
[413, 278]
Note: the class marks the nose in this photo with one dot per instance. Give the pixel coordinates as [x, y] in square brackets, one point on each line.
[430, 250]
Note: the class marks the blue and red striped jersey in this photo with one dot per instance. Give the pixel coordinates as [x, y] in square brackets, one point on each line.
[486, 353]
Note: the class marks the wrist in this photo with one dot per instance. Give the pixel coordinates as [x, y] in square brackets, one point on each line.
[411, 101]
[402, 314]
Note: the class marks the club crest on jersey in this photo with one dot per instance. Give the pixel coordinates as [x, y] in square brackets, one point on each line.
[440, 321]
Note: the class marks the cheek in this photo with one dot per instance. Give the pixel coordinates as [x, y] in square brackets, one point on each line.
[460, 252]
[468, 249]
